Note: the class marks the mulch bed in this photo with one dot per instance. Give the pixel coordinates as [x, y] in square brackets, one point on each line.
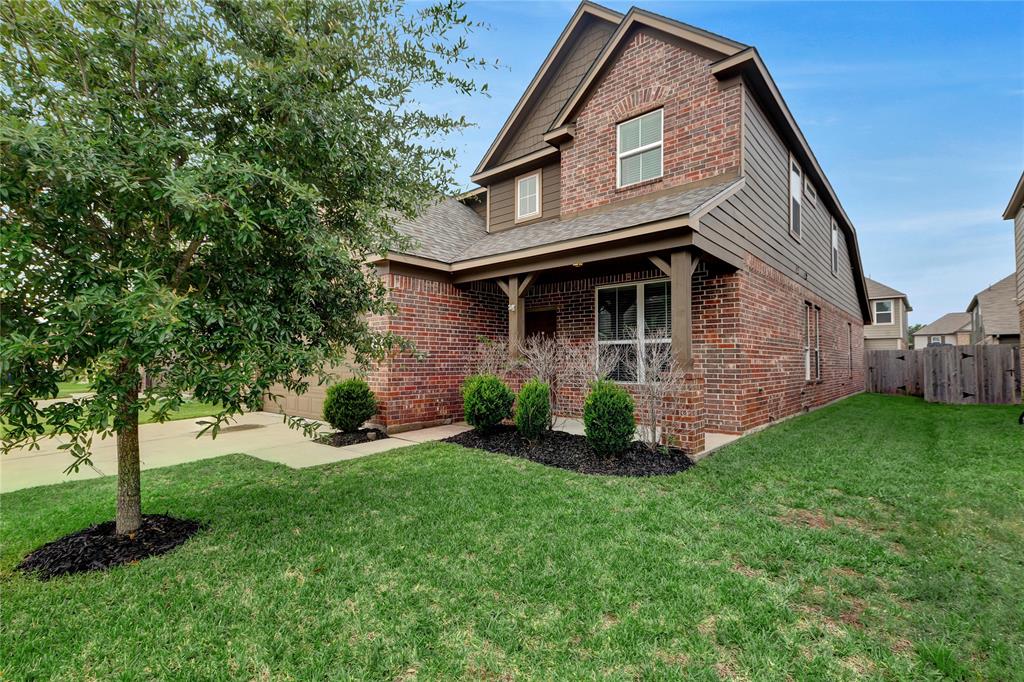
[98, 548]
[342, 438]
[573, 452]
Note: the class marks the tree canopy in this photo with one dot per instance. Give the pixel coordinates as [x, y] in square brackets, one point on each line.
[193, 188]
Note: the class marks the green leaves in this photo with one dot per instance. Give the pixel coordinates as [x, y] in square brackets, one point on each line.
[192, 189]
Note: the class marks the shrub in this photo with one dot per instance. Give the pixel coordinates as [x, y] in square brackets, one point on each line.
[608, 418]
[533, 409]
[348, 404]
[486, 400]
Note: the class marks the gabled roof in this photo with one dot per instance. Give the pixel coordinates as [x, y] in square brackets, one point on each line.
[1016, 200]
[637, 17]
[999, 313]
[950, 323]
[879, 290]
[585, 10]
[450, 233]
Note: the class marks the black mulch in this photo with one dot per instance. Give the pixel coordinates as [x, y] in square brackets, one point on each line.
[98, 548]
[342, 438]
[573, 452]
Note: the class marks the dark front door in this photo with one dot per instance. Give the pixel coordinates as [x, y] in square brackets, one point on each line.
[544, 322]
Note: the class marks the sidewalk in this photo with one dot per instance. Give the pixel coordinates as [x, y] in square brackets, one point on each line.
[260, 434]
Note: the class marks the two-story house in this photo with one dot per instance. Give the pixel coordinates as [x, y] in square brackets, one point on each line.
[650, 178]
[995, 316]
[887, 328]
[952, 329]
[1015, 212]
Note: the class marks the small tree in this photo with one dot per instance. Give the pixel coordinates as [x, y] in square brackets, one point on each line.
[660, 377]
[491, 356]
[193, 188]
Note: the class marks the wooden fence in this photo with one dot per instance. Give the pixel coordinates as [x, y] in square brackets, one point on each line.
[948, 374]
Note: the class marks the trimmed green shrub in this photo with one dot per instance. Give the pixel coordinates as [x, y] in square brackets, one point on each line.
[533, 409]
[608, 418]
[348, 404]
[486, 401]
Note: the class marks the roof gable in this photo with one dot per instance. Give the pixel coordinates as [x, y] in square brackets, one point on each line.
[950, 323]
[566, 63]
[999, 313]
[879, 290]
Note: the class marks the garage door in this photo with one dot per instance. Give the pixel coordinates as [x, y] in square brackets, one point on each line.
[310, 404]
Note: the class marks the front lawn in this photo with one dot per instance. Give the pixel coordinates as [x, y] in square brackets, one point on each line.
[880, 537]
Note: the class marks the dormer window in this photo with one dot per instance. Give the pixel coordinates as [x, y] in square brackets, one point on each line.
[528, 196]
[640, 149]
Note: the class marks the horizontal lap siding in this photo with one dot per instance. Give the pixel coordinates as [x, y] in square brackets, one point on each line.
[755, 220]
[503, 200]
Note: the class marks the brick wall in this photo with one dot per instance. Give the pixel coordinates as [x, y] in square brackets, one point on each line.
[747, 338]
[702, 122]
[444, 322]
[752, 330]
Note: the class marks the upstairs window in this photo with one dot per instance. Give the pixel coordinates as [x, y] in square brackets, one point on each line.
[528, 196]
[883, 312]
[835, 247]
[640, 149]
[796, 195]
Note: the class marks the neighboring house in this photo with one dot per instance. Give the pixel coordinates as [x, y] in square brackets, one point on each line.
[995, 317]
[1015, 212]
[952, 329]
[887, 329]
[651, 177]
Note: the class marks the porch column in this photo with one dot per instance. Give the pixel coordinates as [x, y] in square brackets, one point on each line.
[515, 288]
[682, 266]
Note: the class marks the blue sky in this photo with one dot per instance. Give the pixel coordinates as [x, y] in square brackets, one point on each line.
[915, 111]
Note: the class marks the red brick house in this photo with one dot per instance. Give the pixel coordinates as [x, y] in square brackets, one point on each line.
[651, 176]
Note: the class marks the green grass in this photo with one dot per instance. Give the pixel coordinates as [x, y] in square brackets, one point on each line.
[881, 537]
[188, 410]
[66, 389]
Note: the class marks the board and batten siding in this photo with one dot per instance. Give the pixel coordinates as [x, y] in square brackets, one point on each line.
[503, 199]
[529, 135]
[755, 219]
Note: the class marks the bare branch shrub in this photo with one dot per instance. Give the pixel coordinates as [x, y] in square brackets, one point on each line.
[541, 357]
[491, 356]
[660, 376]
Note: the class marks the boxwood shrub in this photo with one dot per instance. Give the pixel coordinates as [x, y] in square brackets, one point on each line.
[486, 401]
[608, 418]
[348, 404]
[533, 409]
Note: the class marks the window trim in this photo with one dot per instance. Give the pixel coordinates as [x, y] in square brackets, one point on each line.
[849, 334]
[835, 248]
[933, 337]
[640, 322]
[539, 213]
[810, 192]
[807, 341]
[817, 343]
[799, 196]
[620, 155]
[892, 312]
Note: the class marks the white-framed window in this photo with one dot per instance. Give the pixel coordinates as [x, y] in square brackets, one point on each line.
[934, 339]
[817, 343]
[528, 196]
[849, 337]
[807, 340]
[632, 318]
[639, 148]
[795, 196]
[812, 342]
[835, 248]
[883, 312]
[812, 195]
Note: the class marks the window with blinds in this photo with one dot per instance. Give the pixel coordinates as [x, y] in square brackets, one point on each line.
[631, 321]
[640, 149]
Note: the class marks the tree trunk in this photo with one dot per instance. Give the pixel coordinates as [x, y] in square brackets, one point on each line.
[129, 494]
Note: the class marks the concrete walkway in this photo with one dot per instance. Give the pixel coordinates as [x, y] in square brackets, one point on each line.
[260, 434]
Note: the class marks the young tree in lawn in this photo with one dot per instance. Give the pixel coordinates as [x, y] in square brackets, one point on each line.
[193, 188]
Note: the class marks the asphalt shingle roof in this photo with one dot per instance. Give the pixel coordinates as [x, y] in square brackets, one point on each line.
[950, 323]
[450, 232]
[999, 313]
[879, 290]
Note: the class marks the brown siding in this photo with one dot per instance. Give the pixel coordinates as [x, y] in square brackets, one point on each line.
[896, 330]
[755, 220]
[529, 135]
[503, 199]
[1018, 231]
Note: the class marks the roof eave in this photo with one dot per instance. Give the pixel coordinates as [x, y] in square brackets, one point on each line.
[1016, 200]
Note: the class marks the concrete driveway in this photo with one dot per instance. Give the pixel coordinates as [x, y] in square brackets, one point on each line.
[260, 434]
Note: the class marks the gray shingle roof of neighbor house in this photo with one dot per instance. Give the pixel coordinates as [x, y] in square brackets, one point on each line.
[879, 290]
[451, 232]
[999, 313]
[950, 323]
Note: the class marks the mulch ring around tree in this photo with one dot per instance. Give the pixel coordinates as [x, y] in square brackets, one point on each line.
[340, 439]
[573, 452]
[98, 547]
